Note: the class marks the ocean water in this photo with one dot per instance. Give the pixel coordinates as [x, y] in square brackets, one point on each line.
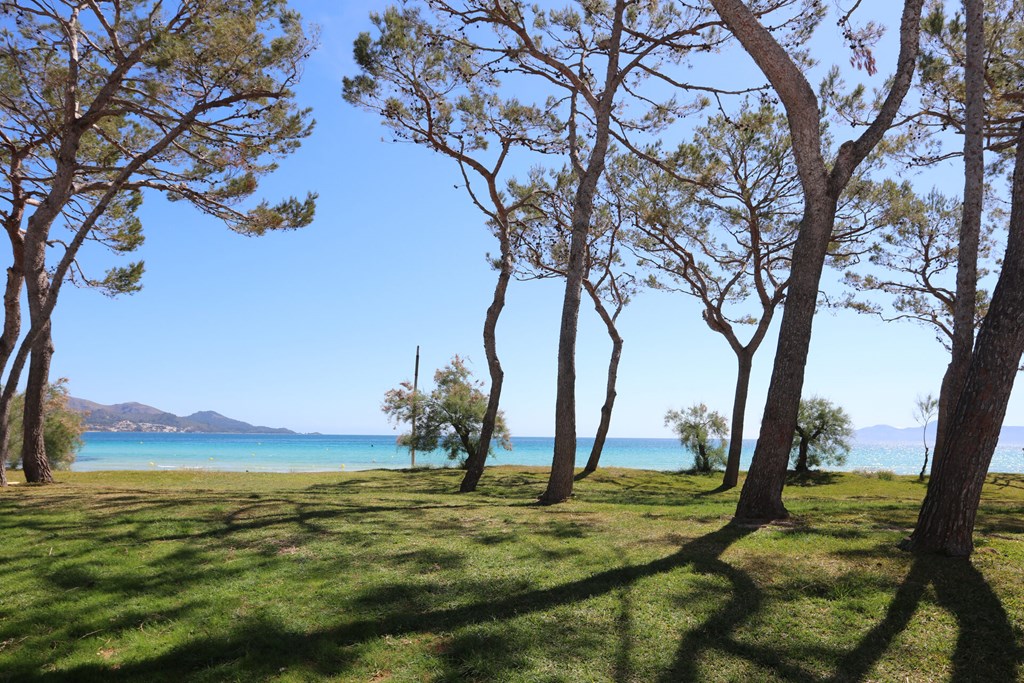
[324, 453]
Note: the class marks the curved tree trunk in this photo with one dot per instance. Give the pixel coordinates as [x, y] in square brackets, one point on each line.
[563, 461]
[761, 496]
[33, 452]
[609, 403]
[946, 522]
[12, 328]
[37, 282]
[965, 302]
[476, 461]
[739, 408]
[924, 467]
[613, 374]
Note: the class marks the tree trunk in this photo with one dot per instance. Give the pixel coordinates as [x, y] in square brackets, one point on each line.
[33, 453]
[946, 522]
[613, 374]
[37, 281]
[965, 302]
[563, 461]
[924, 467]
[761, 497]
[739, 408]
[476, 461]
[606, 409]
[12, 328]
[801, 460]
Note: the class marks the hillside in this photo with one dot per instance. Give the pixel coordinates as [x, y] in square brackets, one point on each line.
[138, 417]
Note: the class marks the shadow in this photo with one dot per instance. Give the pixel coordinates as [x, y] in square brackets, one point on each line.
[986, 647]
[718, 631]
[811, 478]
[1004, 481]
[622, 666]
[331, 651]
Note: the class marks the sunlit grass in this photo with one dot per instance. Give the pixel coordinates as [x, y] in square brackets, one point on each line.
[389, 576]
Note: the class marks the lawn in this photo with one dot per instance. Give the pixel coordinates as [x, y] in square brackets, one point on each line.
[389, 576]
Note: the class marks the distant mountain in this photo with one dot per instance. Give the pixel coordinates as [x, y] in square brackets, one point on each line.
[138, 417]
[887, 434]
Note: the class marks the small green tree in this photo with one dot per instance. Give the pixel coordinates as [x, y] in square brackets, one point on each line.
[449, 418]
[696, 428]
[62, 428]
[925, 408]
[823, 435]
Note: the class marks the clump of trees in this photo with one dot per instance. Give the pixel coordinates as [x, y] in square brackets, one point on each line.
[449, 418]
[702, 433]
[823, 435]
[104, 103]
[62, 428]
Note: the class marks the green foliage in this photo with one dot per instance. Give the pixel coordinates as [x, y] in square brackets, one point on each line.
[910, 272]
[823, 435]
[697, 429]
[942, 89]
[62, 428]
[449, 418]
[193, 100]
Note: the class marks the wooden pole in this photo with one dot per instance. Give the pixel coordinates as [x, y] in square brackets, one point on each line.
[415, 385]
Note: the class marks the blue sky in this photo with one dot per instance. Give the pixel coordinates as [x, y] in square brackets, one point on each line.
[308, 329]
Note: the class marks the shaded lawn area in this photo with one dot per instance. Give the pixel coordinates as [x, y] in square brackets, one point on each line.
[388, 576]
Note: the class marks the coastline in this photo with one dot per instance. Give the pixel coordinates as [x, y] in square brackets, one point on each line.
[332, 453]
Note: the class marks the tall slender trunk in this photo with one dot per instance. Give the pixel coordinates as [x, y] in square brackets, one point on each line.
[739, 409]
[563, 461]
[946, 522]
[924, 467]
[801, 459]
[761, 497]
[965, 303]
[609, 320]
[477, 459]
[33, 452]
[37, 281]
[12, 328]
[609, 402]
[12, 291]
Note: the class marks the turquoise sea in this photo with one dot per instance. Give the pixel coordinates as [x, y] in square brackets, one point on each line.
[323, 453]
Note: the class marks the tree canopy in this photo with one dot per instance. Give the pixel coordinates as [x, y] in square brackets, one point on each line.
[702, 432]
[823, 435]
[449, 417]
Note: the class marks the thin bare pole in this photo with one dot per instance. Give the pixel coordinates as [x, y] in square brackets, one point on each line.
[415, 385]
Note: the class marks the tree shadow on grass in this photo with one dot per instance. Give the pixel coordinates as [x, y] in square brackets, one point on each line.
[334, 651]
[986, 646]
[811, 478]
[1003, 481]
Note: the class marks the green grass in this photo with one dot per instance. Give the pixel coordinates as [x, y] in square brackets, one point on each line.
[388, 576]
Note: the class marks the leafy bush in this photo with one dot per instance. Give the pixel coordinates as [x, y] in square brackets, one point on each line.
[62, 429]
[696, 428]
